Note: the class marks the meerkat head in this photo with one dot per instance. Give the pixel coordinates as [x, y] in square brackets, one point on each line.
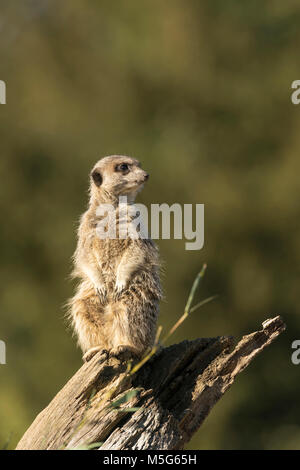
[117, 175]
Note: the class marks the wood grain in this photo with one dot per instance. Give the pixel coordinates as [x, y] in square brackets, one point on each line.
[170, 397]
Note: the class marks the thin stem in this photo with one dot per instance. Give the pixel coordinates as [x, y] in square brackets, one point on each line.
[203, 302]
[187, 309]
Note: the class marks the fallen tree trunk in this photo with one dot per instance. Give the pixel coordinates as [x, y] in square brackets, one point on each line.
[159, 407]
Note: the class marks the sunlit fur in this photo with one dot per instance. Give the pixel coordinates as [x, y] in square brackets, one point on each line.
[117, 299]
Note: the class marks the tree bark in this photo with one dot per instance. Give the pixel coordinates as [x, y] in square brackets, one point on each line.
[159, 407]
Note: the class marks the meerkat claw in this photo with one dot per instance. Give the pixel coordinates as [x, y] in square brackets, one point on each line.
[119, 289]
[117, 295]
[102, 295]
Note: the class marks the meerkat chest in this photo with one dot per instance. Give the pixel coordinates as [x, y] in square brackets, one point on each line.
[110, 251]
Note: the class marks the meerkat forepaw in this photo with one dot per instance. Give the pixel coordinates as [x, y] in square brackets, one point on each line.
[91, 353]
[119, 289]
[102, 294]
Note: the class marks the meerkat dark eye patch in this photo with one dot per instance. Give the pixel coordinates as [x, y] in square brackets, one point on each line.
[123, 168]
[97, 177]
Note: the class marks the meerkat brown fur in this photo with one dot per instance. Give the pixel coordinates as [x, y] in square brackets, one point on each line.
[115, 307]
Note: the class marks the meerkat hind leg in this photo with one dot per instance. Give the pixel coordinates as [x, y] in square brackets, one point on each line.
[125, 352]
[122, 344]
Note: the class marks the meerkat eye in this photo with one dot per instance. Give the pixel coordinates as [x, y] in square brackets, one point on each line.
[122, 167]
[97, 177]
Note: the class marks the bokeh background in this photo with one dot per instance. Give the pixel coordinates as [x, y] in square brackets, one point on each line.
[200, 93]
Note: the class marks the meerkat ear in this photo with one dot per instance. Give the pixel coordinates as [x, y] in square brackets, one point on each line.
[97, 177]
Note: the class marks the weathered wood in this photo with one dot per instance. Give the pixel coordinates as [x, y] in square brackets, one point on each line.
[176, 390]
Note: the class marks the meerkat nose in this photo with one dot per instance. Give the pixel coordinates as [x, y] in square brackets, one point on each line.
[146, 176]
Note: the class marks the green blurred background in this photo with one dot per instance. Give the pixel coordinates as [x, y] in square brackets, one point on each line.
[199, 91]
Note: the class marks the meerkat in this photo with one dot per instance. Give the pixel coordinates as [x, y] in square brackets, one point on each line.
[115, 307]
